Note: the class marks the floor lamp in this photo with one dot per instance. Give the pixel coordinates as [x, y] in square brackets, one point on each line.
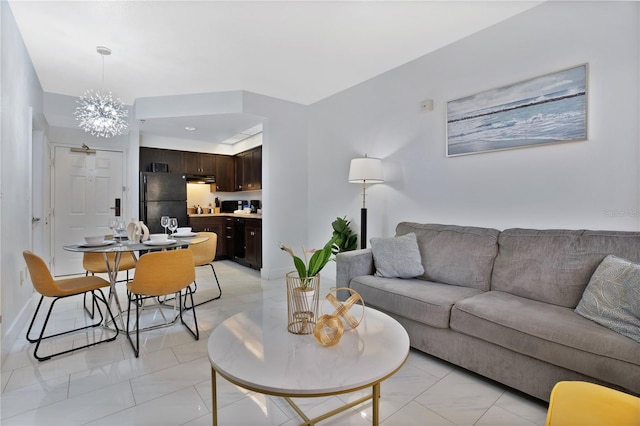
[365, 170]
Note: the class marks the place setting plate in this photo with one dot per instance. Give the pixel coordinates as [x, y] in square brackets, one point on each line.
[159, 243]
[185, 235]
[100, 244]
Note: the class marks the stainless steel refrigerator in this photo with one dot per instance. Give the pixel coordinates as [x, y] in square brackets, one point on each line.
[162, 194]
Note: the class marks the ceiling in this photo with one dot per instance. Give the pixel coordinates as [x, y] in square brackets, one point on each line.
[300, 51]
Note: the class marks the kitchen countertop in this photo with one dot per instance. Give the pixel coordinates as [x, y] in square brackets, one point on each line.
[245, 215]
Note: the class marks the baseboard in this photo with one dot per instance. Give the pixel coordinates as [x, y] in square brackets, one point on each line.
[11, 334]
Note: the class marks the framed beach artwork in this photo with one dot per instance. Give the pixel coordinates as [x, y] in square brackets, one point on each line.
[548, 109]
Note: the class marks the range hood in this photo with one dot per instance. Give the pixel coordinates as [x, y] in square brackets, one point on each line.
[201, 179]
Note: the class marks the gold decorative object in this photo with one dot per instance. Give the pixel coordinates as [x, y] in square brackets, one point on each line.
[328, 330]
[302, 303]
[343, 309]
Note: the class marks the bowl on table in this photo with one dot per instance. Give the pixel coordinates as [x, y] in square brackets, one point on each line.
[158, 238]
[93, 240]
[183, 230]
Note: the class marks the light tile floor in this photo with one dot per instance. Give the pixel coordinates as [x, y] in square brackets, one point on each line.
[170, 383]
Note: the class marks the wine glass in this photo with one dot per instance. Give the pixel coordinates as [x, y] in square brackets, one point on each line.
[173, 224]
[121, 226]
[164, 221]
[113, 225]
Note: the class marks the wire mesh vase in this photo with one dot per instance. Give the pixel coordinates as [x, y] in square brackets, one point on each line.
[302, 303]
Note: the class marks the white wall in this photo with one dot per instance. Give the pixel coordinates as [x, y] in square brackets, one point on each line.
[21, 109]
[284, 179]
[591, 184]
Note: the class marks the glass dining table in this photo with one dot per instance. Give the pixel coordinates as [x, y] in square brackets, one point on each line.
[118, 246]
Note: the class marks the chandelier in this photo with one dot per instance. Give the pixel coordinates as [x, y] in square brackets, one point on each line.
[98, 112]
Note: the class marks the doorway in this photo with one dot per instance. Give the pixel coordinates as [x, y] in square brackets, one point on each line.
[86, 186]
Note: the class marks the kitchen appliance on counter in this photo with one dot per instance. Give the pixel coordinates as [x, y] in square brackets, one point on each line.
[162, 194]
[255, 205]
[230, 206]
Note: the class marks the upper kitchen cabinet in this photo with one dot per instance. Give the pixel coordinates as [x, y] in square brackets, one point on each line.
[170, 157]
[249, 170]
[198, 163]
[225, 179]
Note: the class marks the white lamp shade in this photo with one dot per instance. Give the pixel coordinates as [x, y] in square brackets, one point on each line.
[366, 170]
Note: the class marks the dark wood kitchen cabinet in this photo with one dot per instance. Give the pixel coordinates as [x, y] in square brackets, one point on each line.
[249, 170]
[225, 177]
[253, 242]
[157, 155]
[199, 163]
[215, 224]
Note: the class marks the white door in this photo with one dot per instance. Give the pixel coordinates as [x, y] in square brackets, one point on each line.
[86, 187]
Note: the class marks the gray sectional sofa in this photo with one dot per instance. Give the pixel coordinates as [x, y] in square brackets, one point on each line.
[501, 304]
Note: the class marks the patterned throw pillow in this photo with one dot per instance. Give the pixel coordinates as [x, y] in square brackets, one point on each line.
[397, 257]
[612, 297]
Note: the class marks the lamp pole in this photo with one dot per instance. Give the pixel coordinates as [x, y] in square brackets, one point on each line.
[363, 170]
[363, 218]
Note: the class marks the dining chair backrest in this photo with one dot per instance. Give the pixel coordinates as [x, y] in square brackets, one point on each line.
[205, 252]
[163, 272]
[41, 277]
[94, 262]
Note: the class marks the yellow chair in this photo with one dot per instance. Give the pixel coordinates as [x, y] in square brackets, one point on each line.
[160, 274]
[44, 284]
[204, 254]
[94, 263]
[587, 404]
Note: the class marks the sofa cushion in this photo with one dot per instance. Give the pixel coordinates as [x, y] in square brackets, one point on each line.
[397, 257]
[550, 333]
[422, 301]
[457, 255]
[612, 297]
[554, 266]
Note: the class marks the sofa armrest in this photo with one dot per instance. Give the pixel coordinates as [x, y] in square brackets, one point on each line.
[352, 264]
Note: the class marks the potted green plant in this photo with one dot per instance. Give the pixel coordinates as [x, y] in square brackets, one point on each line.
[345, 238]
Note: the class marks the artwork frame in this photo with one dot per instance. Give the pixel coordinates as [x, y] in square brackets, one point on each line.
[547, 109]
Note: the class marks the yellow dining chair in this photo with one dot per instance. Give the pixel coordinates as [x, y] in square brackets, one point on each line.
[94, 263]
[44, 284]
[587, 404]
[203, 255]
[160, 274]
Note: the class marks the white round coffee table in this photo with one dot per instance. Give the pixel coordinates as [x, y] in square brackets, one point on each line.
[254, 350]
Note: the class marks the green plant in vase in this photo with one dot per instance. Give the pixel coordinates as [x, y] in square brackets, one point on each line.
[309, 269]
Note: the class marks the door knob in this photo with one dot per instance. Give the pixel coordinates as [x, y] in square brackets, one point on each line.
[35, 219]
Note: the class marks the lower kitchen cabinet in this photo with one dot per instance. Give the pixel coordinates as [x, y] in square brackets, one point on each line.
[239, 239]
[253, 242]
[218, 225]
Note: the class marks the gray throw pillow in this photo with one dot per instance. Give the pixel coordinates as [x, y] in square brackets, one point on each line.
[612, 297]
[397, 257]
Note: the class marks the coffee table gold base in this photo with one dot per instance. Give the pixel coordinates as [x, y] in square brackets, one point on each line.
[374, 396]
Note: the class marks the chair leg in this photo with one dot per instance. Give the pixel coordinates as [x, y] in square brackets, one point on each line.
[135, 299]
[42, 336]
[93, 301]
[219, 288]
[189, 292]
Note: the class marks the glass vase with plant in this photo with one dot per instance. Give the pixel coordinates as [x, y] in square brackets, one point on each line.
[307, 269]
